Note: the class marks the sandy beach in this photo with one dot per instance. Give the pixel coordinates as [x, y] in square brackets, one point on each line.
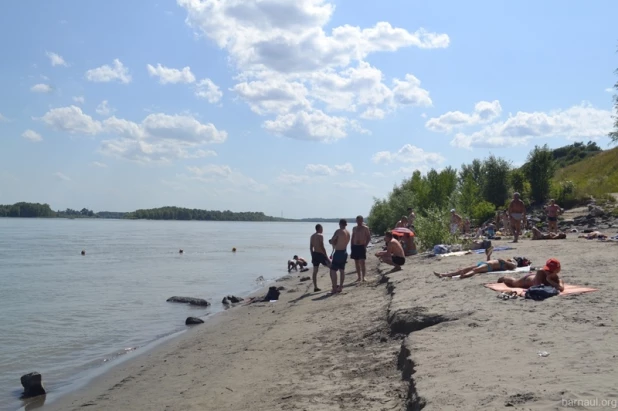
[404, 341]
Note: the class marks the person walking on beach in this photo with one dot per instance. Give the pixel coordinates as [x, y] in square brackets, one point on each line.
[361, 237]
[552, 211]
[318, 254]
[340, 241]
[517, 212]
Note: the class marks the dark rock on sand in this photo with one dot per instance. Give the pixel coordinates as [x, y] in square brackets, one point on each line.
[231, 299]
[193, 321]
[273, 294]
[188, 300]
[281, 288]
[305, 278]
[33, 385]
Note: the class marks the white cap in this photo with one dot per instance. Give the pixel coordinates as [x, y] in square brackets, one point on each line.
[453, 210]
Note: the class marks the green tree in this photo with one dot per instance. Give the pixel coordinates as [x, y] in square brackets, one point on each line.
[469, 195]
[496, 180]
[540, 170]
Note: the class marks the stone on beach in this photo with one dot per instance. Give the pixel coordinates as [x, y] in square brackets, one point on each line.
[193, 321]
[305, 279]
[231, 299]
[188, 300]
[33, 385]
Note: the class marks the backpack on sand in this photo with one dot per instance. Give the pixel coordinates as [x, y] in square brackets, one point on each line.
[541, 292]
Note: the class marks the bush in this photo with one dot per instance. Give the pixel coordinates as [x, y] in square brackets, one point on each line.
[433, 228]
[540, 170]
[483, 211]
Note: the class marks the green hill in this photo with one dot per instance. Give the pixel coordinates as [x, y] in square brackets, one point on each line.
[594, 175]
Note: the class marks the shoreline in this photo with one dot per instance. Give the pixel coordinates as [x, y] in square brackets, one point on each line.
[89, 376]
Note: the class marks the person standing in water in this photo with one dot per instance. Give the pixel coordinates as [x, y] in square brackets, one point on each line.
[318, 254]
[361, 237]
[340, 241]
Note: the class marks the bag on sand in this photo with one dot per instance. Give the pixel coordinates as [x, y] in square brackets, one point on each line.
[273, 294]
[541, 292]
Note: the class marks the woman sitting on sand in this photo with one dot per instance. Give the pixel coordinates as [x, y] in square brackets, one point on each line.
[548, 275]
[538, 235]
[482, 267]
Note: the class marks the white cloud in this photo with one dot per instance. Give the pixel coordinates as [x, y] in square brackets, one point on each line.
[168, 75]
[208, 90]
[61, 176]
[273, 95]
[484, 112]
[103, 109]
[291, 67]
[99, 164]
[71, 120]
[223, 174]
[107, 73]
[288, 178]
[55, 59]
[409, 92]
[41, 88]
[324, 170]
[3, 119]
[32, 136]
[409, 154]
[581, 122]
[309, 125]
[79, 99]
[610, 90]
[353, 184]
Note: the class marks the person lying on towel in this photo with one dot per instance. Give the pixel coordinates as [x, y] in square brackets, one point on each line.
[538, 235]
[485, 267]
[548, 275]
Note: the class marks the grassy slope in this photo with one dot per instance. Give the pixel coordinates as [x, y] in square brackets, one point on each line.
[595, 175]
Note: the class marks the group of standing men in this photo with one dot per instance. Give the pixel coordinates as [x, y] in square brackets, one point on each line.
[360, 239]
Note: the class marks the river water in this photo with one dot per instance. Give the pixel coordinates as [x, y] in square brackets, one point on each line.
[70, 316]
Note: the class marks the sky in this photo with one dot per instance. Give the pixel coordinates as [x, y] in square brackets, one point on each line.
[304, 108]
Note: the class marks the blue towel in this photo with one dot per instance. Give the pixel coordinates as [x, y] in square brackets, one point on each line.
[503, 248]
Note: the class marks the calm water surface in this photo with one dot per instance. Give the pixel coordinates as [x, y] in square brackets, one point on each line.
[66, 315]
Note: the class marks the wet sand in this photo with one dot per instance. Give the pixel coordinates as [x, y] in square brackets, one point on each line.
[403, 341]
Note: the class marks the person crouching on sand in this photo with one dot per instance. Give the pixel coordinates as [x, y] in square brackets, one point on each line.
[394, 254]
[548, 275]
[482, 267]
[296, 262]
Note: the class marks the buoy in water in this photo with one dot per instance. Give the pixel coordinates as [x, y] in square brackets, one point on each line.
[83, 252]
[180, 251]
[234, 249]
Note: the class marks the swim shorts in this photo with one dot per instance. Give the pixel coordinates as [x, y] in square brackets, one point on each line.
[340, 258]
[319, 258]
[517, 216]
[552, 218]
[359, 252]
[398, 260]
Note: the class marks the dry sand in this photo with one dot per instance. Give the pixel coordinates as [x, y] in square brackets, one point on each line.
[408, 342]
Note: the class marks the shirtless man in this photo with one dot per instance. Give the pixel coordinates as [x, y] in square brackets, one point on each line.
[482, 267]
[552, 211]
[411, 217]
[361, 237]
[394, 254]
[403, 223]
[340, 241]
[548, 275]
[318, 254]
[538, 235]
[455, 222]
[517, 212]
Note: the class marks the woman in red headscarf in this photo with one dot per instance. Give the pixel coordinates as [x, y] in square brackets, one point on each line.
[548, 275]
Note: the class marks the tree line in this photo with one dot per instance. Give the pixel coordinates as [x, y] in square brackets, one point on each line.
[178, 213]
[478, 189]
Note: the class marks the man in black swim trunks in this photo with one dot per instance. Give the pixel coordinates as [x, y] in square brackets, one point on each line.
[318, 254]
[340, 241]
[361, 237]
[394, 254]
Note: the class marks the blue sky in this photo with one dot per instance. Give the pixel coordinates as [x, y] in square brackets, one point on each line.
[310, 108]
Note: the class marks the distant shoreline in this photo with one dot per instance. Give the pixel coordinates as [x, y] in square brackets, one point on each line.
[280, 220]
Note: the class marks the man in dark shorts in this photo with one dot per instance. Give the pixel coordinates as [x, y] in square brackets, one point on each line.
[394, 254]
[340, 241]
[552, 211]
[318, 254]
[361, 237]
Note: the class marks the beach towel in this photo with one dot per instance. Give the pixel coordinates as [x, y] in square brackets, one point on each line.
[455, 254]
[502, 248]
[568, 289]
